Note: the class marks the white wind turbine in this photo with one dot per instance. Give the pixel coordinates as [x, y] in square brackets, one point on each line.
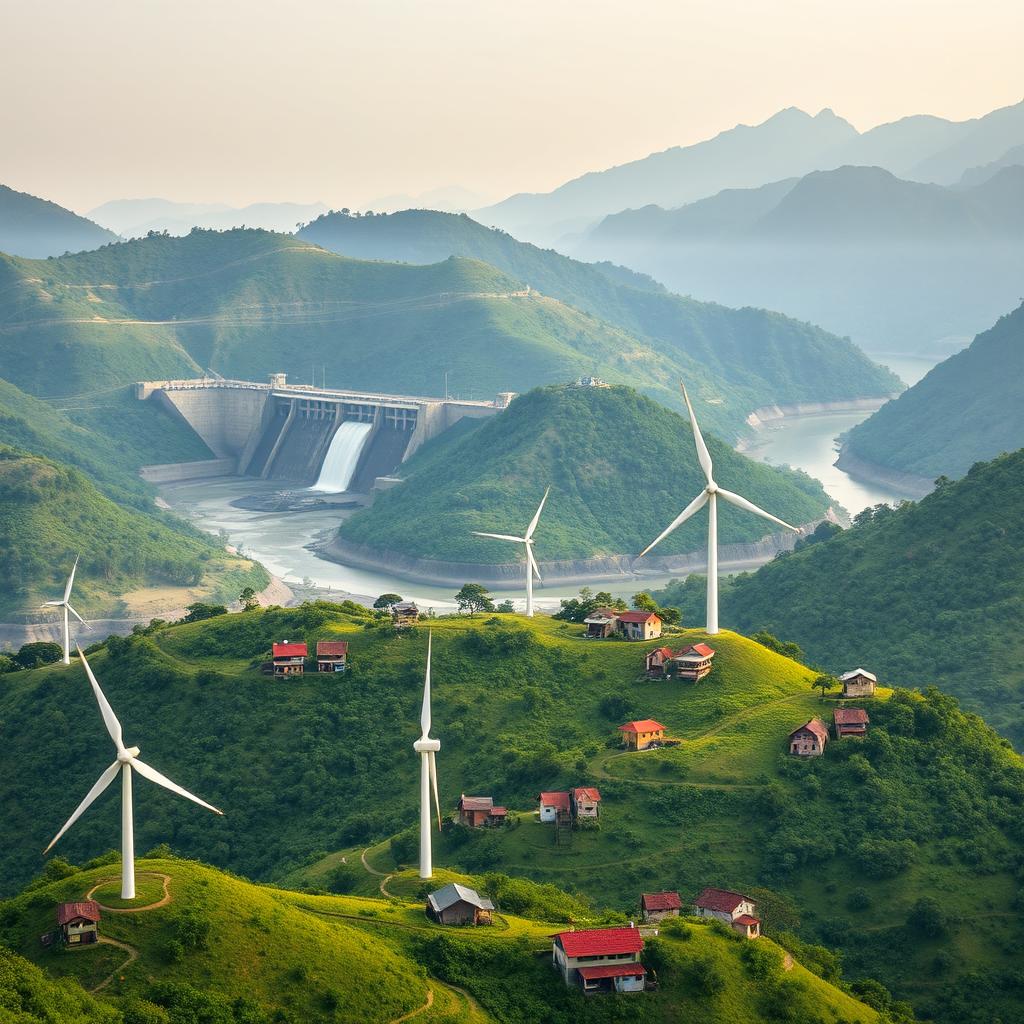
[709, 496]
[127, 759]
[65, 606]
[527, 542]
[427, 748]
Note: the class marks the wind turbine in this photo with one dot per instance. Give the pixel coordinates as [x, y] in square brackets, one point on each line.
[527, 541]
[127, 759]
[709, 496]
[427, 748]
[65, 605]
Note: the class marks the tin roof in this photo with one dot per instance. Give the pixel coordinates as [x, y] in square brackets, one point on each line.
[287, 649]
[644, 725]
[851, 716]
[815, 726]
[858, 672]
[612, 971]
[601, 941]
[637, 616]
[723, 900]
[452, 893]
[331, 648]
[475, 803]
[587, 793]
[88, 910]
[560, 801]
[661, 901]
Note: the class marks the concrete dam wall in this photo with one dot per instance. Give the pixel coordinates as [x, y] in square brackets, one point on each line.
[283, 432]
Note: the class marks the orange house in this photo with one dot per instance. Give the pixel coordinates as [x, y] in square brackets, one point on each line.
[640, 735]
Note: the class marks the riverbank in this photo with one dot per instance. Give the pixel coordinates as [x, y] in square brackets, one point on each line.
[912, 486]
[769, 416]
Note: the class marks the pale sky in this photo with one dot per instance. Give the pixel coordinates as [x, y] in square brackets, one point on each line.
[343, 101]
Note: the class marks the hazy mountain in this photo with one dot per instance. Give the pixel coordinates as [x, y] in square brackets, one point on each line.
[37, 228]
[133, 218]
[900, 266]
[792, 143]
[449, 199]
[968, 408]
[1013, 157]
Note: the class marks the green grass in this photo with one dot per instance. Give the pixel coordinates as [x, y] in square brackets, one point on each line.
[148, 889]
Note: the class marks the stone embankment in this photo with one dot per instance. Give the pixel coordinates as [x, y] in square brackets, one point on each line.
[883, 476]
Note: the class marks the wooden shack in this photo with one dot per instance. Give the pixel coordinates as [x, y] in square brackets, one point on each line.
[458, 904]
[858, 683]
[331, 655]
[809, 740]
[78, 922]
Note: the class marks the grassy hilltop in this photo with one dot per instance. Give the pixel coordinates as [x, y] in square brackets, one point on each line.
[224, 950]
[620, 468]
[903, 851]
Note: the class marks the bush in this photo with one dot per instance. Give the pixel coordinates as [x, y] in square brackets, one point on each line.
[761, 960]
[39, 653]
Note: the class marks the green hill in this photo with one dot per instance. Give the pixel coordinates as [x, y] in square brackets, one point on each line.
[927, 593]
[774, 358]
[968, 408]
[50, 513]
[225, 950]
[902, 851]
[37, 228]
[619, 465]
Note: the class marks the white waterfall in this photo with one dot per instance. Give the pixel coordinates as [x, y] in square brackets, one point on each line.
[342, 456]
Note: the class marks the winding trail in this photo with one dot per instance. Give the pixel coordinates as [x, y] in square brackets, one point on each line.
[382, 875]
[419, 1009]
[133, 955]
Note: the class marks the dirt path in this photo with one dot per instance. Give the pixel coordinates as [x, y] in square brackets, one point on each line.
[419, 1009]
[133, 955]
[162, 902]
[382, 875]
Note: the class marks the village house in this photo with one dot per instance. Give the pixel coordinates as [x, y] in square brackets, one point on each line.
[656, 906]
[405, 613]
[851, 722]
[658, 662]
[600, 959]
[693, 663]
[809, 740]
[732, 908]
[289, 658]
[601, 622]
[79, 922]
[331, 655]
[639, 625]
[586, 802]
[476, 811]
[552, 805]
[858, 683]
[458, 904]
[640, 735]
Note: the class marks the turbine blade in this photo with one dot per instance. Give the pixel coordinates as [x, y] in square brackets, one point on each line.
[101, 784]
[53, 604]
[749, 506]
[533, 567]
[500, 536]
[433, 784]
[703, 455]
[76, 615]
[161, 780]
[109, 718]
[536, 516]
[71, 579]
[695, 506]
[425, 711]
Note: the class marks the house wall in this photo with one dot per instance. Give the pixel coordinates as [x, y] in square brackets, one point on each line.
[658, 915]
[858, 688]
[548, 813]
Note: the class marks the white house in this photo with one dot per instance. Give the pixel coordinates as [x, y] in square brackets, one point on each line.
[732, 908]
[553, 804]
[600, 959]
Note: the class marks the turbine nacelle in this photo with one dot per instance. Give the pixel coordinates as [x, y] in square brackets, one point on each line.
[425, 745]
[128, 754]
[712, 487]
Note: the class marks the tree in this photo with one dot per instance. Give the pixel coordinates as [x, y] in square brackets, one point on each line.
[824, 682]
[386, 602]
[506, 607]
[41, 652]
[474, 597]
[248, 599]
[197, 611]
[645, 603]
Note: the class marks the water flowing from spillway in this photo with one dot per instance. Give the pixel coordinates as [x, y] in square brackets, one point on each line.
[342, 457]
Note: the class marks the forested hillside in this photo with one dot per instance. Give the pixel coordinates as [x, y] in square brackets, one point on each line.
[620, 467]
[967, 409]
[37, 228]
[928, 593]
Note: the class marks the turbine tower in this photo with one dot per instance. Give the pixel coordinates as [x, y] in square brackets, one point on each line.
[65, 606]
[427, 748]
[527, 542]
[127, 759]
[709, 496]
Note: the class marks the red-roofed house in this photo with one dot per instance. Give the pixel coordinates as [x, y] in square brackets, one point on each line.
[552, 805]
[601, 622]
[475, 811]
[693, 663]
[640, 735]
[657, 661]
[656, 906]
[289, 658]
[79, 922]
[809, 740]
[600, 959]
[639, 625]
[331, 655]
[586, 801]
[733, 908]
[850, 722]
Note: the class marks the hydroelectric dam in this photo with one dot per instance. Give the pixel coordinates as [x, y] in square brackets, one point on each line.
[320, 438]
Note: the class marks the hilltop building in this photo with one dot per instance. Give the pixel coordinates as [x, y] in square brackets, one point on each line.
[331, 655]
[732, 908]
[600, 959]
[405, 613]
[656, 906]
[692, 663]
[639, 625]
[289, 658]
[79, 922]
[642, 734]
[458, 904]
[851, 722]
[809, 740]
[553, 805]
[476, 811]
[601, 622]
[586, 802]
[858, 683]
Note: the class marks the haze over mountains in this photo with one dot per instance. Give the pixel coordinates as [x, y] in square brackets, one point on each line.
[37, 228]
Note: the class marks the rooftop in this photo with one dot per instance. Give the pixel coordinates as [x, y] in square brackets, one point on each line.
[612, 971]
[601, 941]
[637, 616]
[452, 893]
[331, 648]
[851, 716]
[858, 672]
[288, 649]
[87, 909]
[644, 725]
[724, 900]
[815, 726]
[661, 901]
[558, 800]
[476, 803]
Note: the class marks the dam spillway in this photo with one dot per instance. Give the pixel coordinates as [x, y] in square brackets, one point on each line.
[342, 458]
[286, 432]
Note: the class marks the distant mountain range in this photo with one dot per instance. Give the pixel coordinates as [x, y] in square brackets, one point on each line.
[37, 228]
[899, 265]
[792, 143]
[133, 218]
[967, 409]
